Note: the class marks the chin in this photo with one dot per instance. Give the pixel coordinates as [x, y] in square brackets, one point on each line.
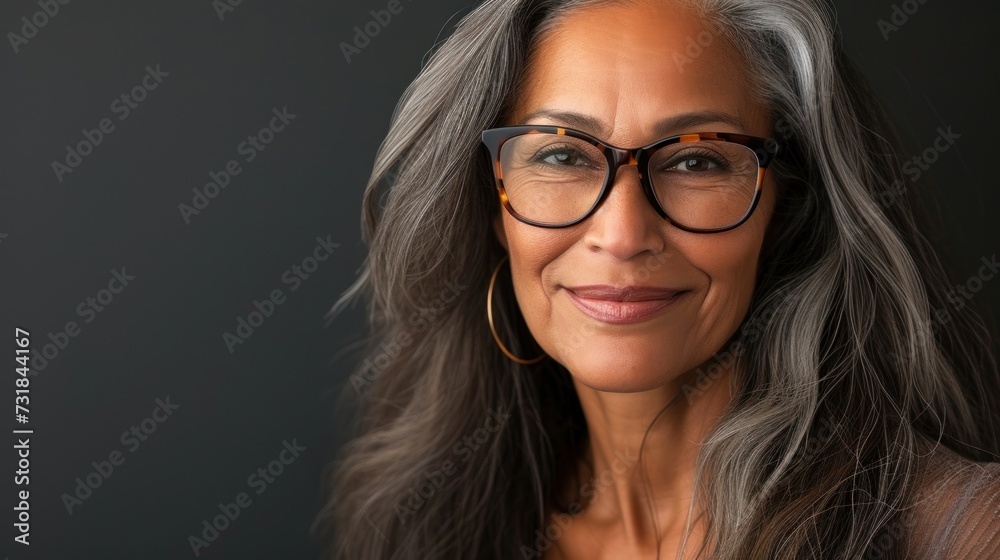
[617, 371]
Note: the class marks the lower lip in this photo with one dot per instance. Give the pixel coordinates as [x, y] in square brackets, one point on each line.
[622, 312]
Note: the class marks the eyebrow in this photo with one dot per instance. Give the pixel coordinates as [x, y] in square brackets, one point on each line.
[679, 123]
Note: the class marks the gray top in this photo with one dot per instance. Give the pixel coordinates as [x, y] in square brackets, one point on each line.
[957, 509]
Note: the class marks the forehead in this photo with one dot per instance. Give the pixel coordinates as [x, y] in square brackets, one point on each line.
[630, 65]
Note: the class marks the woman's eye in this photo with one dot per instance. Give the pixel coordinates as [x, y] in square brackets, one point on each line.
[563, 158]
[696, 164]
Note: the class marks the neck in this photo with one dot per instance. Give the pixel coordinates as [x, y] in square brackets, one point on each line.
[651, 494]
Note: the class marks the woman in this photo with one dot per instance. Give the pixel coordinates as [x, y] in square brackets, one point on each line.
[730, 343]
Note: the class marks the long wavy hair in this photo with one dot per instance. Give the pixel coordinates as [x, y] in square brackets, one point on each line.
[856, 365]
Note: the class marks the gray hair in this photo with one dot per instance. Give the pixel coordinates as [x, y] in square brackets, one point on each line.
[847, 361]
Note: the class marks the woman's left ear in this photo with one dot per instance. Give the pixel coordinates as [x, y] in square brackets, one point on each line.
[498, 229]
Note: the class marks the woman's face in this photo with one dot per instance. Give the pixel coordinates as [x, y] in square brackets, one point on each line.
[628, 68]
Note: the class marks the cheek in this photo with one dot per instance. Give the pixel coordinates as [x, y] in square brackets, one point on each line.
[730, 272]
[728, 262]
[533, 254]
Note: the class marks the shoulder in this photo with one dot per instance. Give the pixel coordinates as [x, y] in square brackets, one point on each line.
[956, 510]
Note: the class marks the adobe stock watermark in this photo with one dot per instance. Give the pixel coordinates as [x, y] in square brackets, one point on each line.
[724, 359]
[419, 321]
[808, 451]
[223, 7]
[363, 34]
[594, 487]
[960, 296]
[915, 167]
[922, 162]
[899, 16]
[912, 518]
[122, 106]
[464, 449]
[293, 277]
[696, 45]
[132, 438]
[249, 149]
[31, 26]
[87, 310]
[260, 480]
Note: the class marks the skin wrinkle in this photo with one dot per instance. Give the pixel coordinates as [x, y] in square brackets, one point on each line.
[608, 62]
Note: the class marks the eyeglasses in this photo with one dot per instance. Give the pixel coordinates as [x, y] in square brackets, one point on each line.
[553, 177]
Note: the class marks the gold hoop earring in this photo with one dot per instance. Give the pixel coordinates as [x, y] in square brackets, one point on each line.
[489, 317]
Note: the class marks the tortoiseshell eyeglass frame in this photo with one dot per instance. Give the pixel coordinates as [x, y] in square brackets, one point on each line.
[764, 148]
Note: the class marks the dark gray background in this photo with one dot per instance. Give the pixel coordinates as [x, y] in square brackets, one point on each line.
[162, 336]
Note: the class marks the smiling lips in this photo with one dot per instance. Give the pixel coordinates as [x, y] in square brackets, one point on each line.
[622, 305]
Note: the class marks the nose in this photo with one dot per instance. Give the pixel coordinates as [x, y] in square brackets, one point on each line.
[625, 224]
